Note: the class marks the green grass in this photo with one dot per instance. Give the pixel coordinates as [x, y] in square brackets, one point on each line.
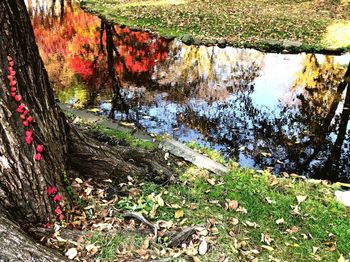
[126, 137]
[322, 222]
[316, 24]
[111, 243]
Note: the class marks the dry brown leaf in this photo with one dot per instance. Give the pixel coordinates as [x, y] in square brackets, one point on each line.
[211, 181]
[232, 204]
[301, 199]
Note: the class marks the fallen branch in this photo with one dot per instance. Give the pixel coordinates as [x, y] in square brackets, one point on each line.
[181, 237]
[143, 220]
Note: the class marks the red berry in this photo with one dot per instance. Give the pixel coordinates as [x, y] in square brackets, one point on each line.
[48, 225]
[18, 98]
[13, 83]
[40, 148]
[20, 108]
[37, 157]
[11, 63]
[10, 77]
[13, 89]
[61, 217]
[29, 132]
[30, 119]
[13, 94]
[9, 58]
[25, 123]
[29, 140]
[12, 73]
[57, 198]
[58, 210]
[25, 112]
[51, 190]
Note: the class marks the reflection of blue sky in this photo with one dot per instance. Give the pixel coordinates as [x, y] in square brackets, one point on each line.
[276, 78]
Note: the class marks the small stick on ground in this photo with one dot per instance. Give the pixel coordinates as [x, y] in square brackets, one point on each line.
[142, 219]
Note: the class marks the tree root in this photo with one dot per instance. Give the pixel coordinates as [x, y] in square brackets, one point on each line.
[90, 158]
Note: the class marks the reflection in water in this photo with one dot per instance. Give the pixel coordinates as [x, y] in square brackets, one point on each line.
[288, 112]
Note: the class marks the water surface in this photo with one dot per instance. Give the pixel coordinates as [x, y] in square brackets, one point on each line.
[280, 111]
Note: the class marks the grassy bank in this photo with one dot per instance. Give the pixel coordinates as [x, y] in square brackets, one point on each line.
[242, 216]
[312, 25]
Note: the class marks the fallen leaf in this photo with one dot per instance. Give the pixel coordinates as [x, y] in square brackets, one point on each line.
[71, 253]
[179, 213]
[78, 180]
[242, 210]
[211, 181]
[232, 204]
[196, 259]
[268, 200]
[234, 221]
[268, 248]
[280, 221]
[341, 258]
[266, 238]
[295, 210]
[314, 250]
[252, 224]
[203, 247]
[93, 110]
[301, 199]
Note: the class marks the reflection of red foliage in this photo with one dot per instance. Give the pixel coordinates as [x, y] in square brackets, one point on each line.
[139, 50]
[81, 67]
[76, 41]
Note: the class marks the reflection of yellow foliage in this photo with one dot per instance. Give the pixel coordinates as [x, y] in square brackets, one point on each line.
[338, 35]
[319, 82]
[319, 76]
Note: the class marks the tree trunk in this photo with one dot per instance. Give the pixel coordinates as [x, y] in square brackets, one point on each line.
[16, 246]
[23, 180]
[38, 146]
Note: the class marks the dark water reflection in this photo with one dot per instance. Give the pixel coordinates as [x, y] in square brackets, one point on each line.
[265, 110]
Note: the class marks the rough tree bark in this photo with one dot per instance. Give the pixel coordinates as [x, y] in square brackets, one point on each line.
[24, 180]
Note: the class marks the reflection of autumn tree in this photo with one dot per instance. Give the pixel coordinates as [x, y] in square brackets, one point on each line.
[207, 72]
[73, 47]
[294, 135]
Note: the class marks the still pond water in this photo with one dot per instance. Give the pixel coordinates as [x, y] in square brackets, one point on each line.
[262, 109]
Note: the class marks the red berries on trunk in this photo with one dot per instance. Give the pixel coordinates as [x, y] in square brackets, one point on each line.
[22, 108]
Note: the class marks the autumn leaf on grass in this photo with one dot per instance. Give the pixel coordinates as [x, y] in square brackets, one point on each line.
[251, 224]
[268, 248]
[301, 199]
[341, 258]
[179, 213]
[266, 238]
[280, 221]
[211, 181]
[231, 204]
